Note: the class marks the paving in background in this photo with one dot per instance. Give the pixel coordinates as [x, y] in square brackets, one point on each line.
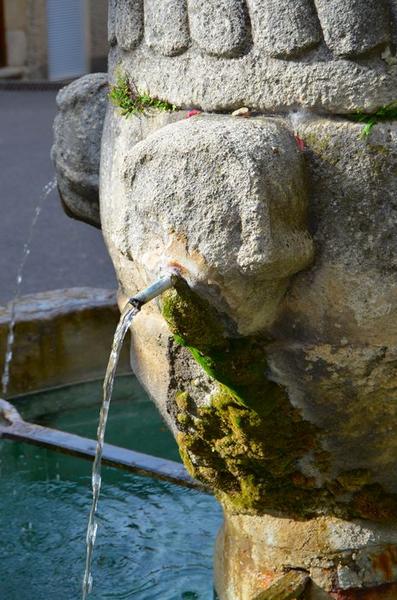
[65, 253]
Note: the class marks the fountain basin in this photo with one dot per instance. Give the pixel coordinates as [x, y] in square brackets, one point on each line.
[155, 539]
[61, 337]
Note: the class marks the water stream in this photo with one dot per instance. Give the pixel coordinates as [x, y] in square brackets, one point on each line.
[130, 311]
[5, 380]
[125, 321]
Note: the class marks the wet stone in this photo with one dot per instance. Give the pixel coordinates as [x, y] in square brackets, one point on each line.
[289, 587]
[61, 337]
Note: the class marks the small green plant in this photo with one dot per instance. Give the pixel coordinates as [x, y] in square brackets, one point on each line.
[130, 101]
[385, 113]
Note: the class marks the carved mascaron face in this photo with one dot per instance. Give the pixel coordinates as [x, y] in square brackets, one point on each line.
[284, 227]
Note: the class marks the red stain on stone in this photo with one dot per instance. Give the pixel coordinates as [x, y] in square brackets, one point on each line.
[300, 143]
[193, 113]
[173, 264]
[386, 563]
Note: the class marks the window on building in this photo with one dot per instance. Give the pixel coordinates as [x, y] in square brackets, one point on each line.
[67, 38]
[3, 54]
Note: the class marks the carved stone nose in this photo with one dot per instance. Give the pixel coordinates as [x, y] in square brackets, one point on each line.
[226, 198]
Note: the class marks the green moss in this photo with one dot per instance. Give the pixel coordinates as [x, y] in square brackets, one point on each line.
[130, 101]
[249, 439]
[192, 319]
[183, 420]
[384, 113]
[246, 445]
[354, 480]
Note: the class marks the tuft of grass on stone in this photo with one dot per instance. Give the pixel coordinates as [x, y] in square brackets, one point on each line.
[384, 113]
[125, 96]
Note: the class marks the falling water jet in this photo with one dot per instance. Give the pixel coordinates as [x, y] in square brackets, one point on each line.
[132, 308]
[48, 188]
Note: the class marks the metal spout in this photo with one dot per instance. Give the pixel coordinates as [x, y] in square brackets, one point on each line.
[153, 291]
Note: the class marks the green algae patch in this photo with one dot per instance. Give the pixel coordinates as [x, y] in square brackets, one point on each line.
[246, 443]
[192, 319]
[249, 459]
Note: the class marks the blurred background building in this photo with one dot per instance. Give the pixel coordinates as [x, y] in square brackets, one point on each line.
[52, 39]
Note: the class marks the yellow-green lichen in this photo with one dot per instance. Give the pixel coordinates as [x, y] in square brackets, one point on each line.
[247, 444]
[318, 143]
[182, 401]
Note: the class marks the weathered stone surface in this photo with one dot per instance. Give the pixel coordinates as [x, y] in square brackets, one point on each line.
[393, 7]
[353, 27]
[290, 586]
[166, 26]
[220, 84]
[61, 337]
[332, 323]
[283, 28]
[112, 8]
[383, 592]
[128, 27]
[77, 145]
[219, 27]
[338, 332]
[339, 557]
[342, 75]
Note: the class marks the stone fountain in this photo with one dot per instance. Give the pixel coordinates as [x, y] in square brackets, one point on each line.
[275, 362]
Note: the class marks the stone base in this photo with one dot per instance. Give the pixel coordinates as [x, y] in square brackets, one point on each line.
[344, 560]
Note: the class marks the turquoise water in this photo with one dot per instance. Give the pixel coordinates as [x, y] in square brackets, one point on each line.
[155, 540]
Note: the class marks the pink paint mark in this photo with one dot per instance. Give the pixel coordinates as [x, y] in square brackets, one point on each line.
[193, 113]
[300, 143]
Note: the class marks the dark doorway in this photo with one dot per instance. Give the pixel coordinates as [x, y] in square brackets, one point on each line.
[3, 54]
